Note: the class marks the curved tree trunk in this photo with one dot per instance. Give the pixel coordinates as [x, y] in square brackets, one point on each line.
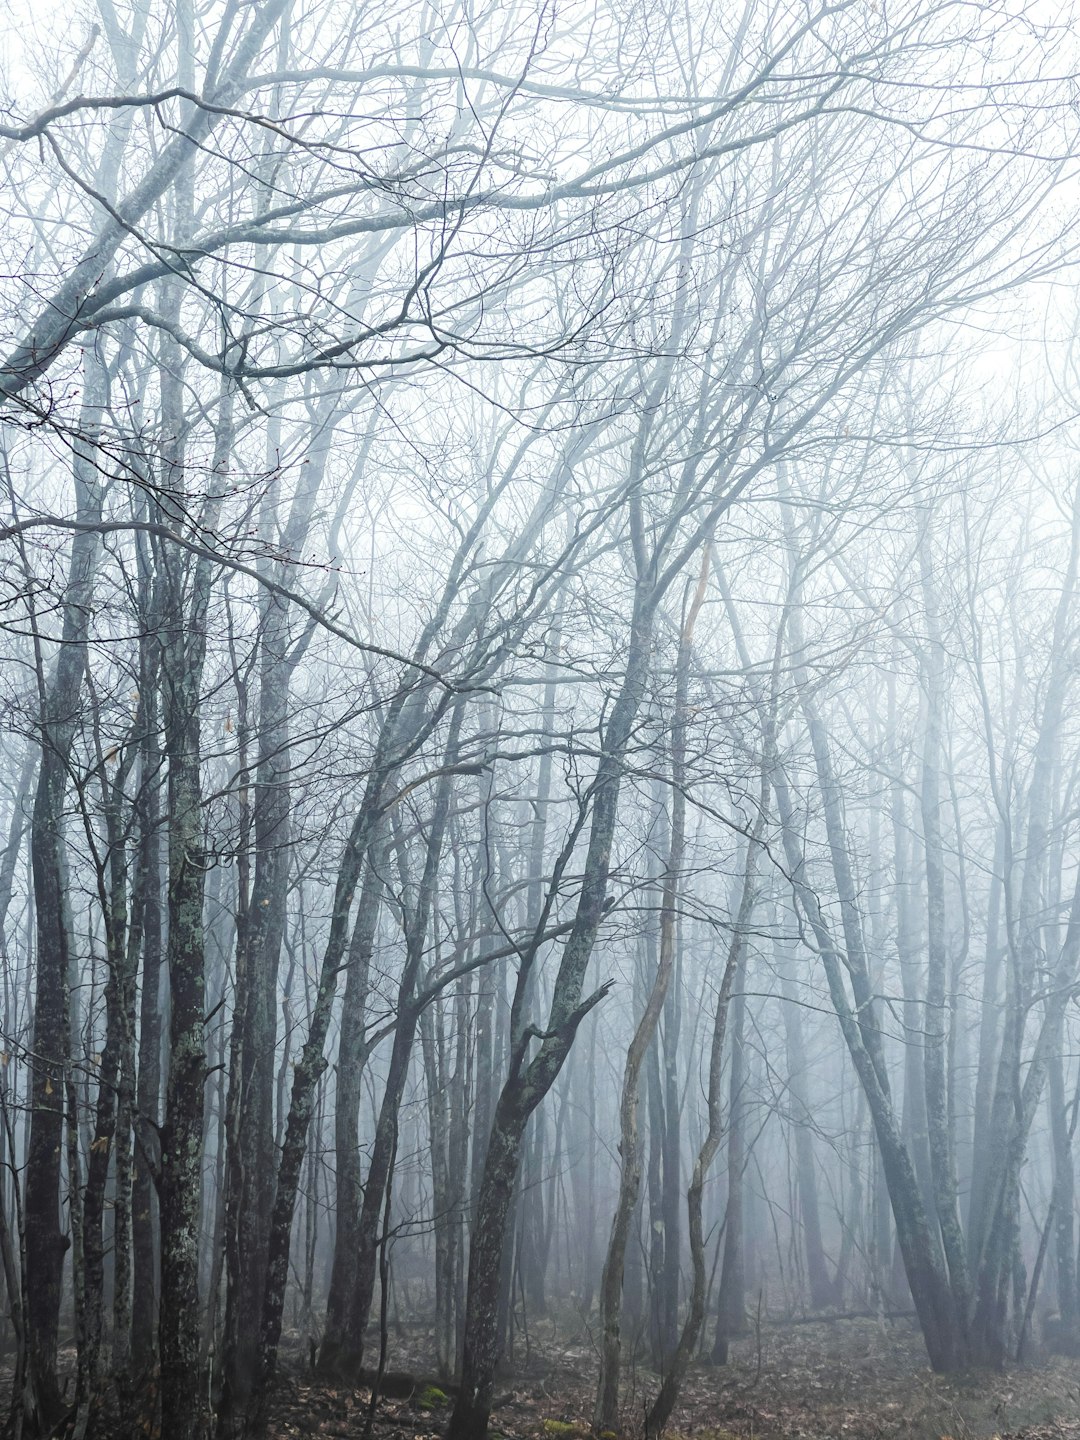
[662, 1407]
[528, 1082]
[606, 1414]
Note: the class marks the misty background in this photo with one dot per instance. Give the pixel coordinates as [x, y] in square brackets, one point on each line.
[540, 790]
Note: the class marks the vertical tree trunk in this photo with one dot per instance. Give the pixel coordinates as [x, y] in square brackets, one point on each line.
[46, 1242]
[1064, 1193]
[144, 1198]
[822, 1292]
[937, 1014]
[119, 1005]
[433, 1045]
[260, 932]
[915, 1125]
[182, 656]
[731, 1302]
[668, 1280]
[989, 1038]
[338, 1349]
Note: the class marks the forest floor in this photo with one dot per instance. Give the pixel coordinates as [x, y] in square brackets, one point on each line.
[842, 1379]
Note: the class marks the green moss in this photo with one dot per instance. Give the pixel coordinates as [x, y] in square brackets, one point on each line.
[564, 1430]
[432, 1398]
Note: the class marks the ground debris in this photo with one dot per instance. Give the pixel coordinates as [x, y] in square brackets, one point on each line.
[852, 1380]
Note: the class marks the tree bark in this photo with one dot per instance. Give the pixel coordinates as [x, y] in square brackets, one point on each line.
[528, 1082]
[731, 1301]
[938, 1011]
[46, 1243]
[339, 1348]
[661, 1409]
[183, 652]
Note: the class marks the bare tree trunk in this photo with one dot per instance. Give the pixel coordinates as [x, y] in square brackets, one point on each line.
[46, 1242]
[662, 1407]
[418, 920]
[937, 1013]
[989, 1036]
[529, 1081]
[1016, 1093]
[119, 1005]
[915, 1125]
[822, 1290]
[183, 654]
[1064, 1194]
[930, 1290]
[144, 1197]
[606, 1415]
[731, 1302]
[668, 1280]
[260, 932]
[338, 1345]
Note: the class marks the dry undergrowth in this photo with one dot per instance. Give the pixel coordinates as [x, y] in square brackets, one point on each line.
[846, 1380]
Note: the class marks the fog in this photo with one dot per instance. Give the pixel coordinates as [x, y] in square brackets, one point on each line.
[539, 811]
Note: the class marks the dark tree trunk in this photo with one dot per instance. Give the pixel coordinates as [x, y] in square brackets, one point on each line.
[606, 1414]
[418, 919]
[115, 1059]
[339, 1350]
[529, 1081]
[183, 650]
[929, 1284]
[938, 1010]
[46, 1242]
[260, 932]
[144, 1198]
[662, 1407]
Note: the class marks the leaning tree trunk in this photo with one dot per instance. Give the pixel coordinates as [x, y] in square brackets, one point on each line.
[306, 1075]
[384, 1150]
[529, 1081]
[606, 1415]
[860, 1026]
[661, 1408]
[308, 1070]
[996, 1244]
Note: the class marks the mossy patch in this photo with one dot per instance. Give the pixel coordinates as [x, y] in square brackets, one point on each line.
[432, 1398]
[565, 1429]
